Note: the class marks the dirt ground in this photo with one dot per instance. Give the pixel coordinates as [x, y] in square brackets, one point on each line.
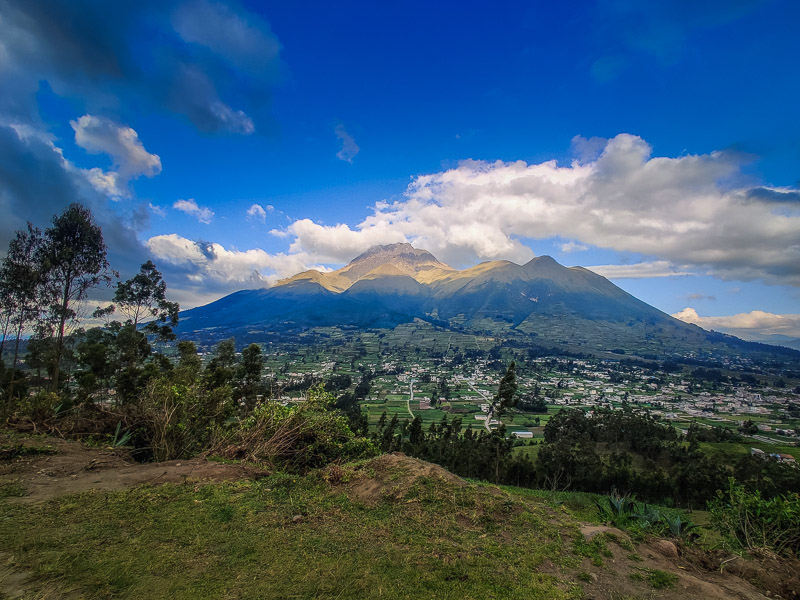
[72, 467]
[391, 475]
[616, 578]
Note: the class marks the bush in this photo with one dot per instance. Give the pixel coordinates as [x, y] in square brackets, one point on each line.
[308, 435]
[754, 523]
[178, 420]
[40, 407]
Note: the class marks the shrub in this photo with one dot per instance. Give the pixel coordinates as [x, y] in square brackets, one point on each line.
[752, 522]
[307, 435]
[40, 407]
[179, 419]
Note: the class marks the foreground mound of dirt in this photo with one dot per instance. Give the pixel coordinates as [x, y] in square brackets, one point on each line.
[392, 475]
[45, 468]
[777, 575]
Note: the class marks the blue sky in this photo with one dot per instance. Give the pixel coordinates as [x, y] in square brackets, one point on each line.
[236, 143]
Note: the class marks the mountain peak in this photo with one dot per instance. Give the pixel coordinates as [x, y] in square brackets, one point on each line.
[388, 251]
[402, 256]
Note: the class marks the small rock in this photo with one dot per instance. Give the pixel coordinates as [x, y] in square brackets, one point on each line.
[177, 464]
[297, 518]
[666, 548]
[593, 577]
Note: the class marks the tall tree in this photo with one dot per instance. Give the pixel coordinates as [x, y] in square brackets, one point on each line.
[250, 371]
[21, 278]
[507, 390]
[144, 296]
[74, 255]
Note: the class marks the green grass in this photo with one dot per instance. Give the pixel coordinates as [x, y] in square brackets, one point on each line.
[658, 580]
[12, 489]
[239, 540]
[9, 452]
[735, 450]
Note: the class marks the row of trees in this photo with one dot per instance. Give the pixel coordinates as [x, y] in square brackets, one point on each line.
[45, 279]
[45, 276]
[613, 450]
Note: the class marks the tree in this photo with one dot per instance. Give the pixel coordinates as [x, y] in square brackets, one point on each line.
[21, 278]
[748, 427]
[533, 403]
[506, 397]
[144, 296]
[221, 368]
[74, 258]
[250, 370]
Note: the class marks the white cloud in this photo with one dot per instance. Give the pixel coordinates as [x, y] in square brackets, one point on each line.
[258, 212]
[338, 243]
[190, 207]
[99, 135]
[349, 146]
[753, 325]
[674, 210]
[207, 261]
[642, 270]
[572, 247]
[157, 210]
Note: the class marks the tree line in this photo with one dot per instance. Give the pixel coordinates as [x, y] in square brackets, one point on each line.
[629, 452]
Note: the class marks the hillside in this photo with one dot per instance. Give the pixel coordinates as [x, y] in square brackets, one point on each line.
[391, 527]
[540, 302]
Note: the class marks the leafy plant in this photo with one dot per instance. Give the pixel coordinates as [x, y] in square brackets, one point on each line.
[616, 506]
[678, 526]
[749, 521]
[307, 435]
[627, 513]
[120, 438]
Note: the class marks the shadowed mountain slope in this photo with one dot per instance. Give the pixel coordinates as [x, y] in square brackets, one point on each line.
[397, 283]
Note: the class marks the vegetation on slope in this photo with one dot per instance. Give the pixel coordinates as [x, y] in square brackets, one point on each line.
[390, 527]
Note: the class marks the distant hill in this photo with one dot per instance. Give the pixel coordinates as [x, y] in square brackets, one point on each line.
[554, 305]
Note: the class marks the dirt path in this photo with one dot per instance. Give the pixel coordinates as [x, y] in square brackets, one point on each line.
[72, 467]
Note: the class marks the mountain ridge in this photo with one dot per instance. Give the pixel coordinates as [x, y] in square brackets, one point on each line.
[541, 301]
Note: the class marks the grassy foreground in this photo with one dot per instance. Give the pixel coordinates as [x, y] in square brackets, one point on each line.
[299, 537]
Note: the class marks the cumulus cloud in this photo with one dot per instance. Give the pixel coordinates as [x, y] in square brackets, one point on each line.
[190, 207]
[572, 247]
[339, 243]
[349, 147]
[213, 263]
[258, 212]
[675, 211]
[99, 135]
[754, 325]
[37, 182]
